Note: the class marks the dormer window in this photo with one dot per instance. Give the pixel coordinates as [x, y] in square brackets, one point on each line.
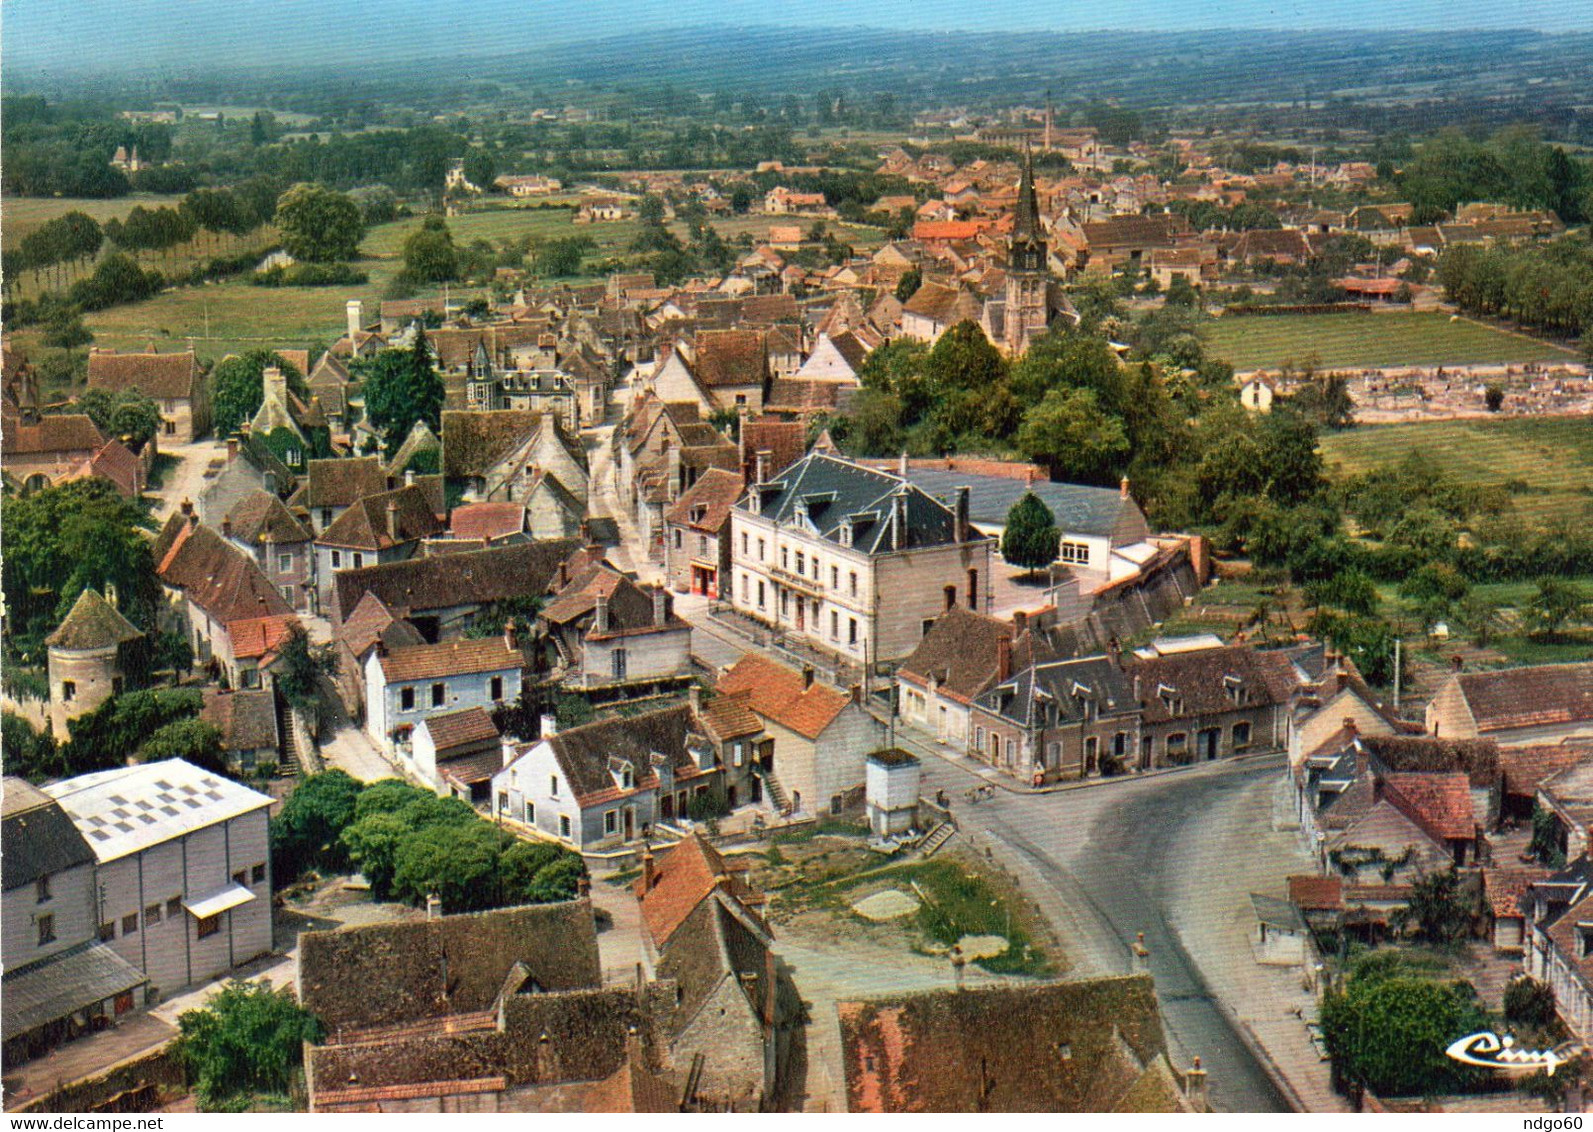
[628, 778]
[1236, 690]
[846, 533]
[1584, 940]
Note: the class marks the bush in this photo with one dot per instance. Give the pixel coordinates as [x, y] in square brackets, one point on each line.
[248, 1039]
[1528, 1002]
[310, 275]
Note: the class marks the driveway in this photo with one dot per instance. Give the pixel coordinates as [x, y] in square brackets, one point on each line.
[187, 479]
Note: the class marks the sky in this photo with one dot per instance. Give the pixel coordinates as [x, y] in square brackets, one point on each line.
[144, 33]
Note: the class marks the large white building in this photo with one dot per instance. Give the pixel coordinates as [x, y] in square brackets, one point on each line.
[183, 867]
[853, 560]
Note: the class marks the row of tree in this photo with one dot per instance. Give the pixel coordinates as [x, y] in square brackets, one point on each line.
[1547, 286]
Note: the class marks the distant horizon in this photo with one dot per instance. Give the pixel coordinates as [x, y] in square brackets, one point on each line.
[129, 36]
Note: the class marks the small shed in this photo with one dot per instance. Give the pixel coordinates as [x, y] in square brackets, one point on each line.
[1284, 935]
[890, 790]
[458, 753]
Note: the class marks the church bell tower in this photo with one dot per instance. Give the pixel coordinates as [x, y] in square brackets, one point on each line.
[1026, 267]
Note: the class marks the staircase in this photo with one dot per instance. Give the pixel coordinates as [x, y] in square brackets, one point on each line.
[290, 766]
[775, 792]
[938, 836]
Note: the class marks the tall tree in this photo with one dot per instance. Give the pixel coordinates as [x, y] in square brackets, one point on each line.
[318, 224]
[246, 1040]
[1073, 438]
[237, 386]
[402, 387]
[1030, 538]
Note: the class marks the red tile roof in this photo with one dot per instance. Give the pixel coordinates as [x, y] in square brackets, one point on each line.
[161, 376]
[260, 637]
[682, 879]
[1541, 695]
[459, 728]
[776, 693]
[486, 520]
[1439, 803]
[215, 575]
[1506, 887]
[450, 658]
[1315, 894]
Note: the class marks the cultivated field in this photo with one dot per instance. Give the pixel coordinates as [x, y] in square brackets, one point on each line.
[1547, 461]
[1370, 338]
[21, 215]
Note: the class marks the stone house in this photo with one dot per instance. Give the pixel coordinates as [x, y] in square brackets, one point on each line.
[414, 682]
[331, 487]
[61, 977]
[458, 753]
[354, 640]
[247, 721]
[183, 867]
[696, 533]
[382, 528]
[173, 381]
[502, 454]
[608, 784]
[962, 656]
[248, 466]
[40, 453]
[85, 659]
[261, 525]
[1059, 720]
[607, 630]
[1559, 948]
[1210, 703]
[816, 738]
[294, 430]
[815, 553]
[1544, 703]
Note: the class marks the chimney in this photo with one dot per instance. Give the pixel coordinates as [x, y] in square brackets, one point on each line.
[694, 697]
[392, 519]
[1122, 488]
[660, 605]
[1195, 1085]
[564, 572]
[186, 506]
[1113, 651]
[675, 477]
[409, 477]
[1138, 697]
[1141, 953]
[600, 617]
[547, 725]
[962, 514]
[232, 449]
[761, 466]
[899, 521]
[957, 964]
[901, 464]
[1020, 622]
[433, 906]
[355, 317]
[511, 639]
[807, 677]
[275, 385]
[226, 527]
[649, 871]
[1003, 658]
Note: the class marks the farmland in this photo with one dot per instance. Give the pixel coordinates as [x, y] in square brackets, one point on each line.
[1370, 338]
[1546, 462]
[22, 215]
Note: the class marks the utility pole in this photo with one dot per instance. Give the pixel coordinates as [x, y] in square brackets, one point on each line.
[1397, 643]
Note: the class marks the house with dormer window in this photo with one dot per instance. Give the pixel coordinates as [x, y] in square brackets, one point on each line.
[1059, 720]
[608, 784]
[1211, 703]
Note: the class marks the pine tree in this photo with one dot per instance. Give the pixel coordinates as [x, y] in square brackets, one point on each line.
[1031, 537]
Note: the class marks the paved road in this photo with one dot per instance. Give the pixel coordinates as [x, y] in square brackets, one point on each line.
[1112, 860]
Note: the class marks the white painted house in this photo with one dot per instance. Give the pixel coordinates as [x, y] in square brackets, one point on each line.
[405, 686]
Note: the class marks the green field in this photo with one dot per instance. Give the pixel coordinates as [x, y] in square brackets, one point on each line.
[1370, 338]
[1551, 456]
[21, 215]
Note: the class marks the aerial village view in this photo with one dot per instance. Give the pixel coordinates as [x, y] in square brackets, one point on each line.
[785, 558]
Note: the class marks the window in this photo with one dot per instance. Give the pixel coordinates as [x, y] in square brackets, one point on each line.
[249, 677]
[175, 905]
[553, 785]
[760, 594]
[293, 458]
[241, 878]
[1177, 741]
[760, 550]
[802, 563]
[359, 560]
[130, 924]
[610, 822]
[326, 516]
[41, 889]
[702, 544]
[209, 926]
[743, 587]
[564, 826]
[835, 805]
[1077, 553]
[1012, 750]
[287, 594]
[741, 398]
[257, 874]
[617, 662]
[835, 625]
[68, 689]
[152, 915]
[46, 929]
[337, 560]
[854, 583]
[735, 753]
[406, 699]
[171, 427]
[785, 559]
[439, 694]
[744, 542]
[851, 631]
[677, 538]
[495, 687]
[1241, 735]
[979, 737]
[785, 602]
[627, 779]
[284, 563]
[835, 577]
[108, 931]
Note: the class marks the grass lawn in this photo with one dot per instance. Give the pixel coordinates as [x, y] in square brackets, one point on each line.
[1549, 460]
[1370, 338]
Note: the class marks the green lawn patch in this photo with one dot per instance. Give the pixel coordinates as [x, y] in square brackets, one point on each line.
[1370, 338]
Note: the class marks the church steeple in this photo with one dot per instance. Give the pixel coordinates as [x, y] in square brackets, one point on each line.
[1028, 248]
[1027, 306]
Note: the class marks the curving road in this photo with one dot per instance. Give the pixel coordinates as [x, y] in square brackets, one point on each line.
[1106, 863]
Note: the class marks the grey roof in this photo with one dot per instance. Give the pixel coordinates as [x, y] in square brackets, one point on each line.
[1277, 913]
[1078, 509]
[1066, 684]
[47, 992]
[39, 837]
[834, 492]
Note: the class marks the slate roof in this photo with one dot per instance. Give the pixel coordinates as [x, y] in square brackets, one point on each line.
[381, 974]
[1077, 1046]
[584, 753]
[92, 624]
[1538, 696]
[450, 658]
[1080, 510]
[959, 652]
[247, 718]
[39, 838]
[161, 376]
[775, 692]
[260, 513]
[215, 575]
[715, 491]
[364, 525]
[1064, 686]
[340, 483]
[835, 492]
[1200, 679]
[477, 577]
[475, 442]
[460, 729]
